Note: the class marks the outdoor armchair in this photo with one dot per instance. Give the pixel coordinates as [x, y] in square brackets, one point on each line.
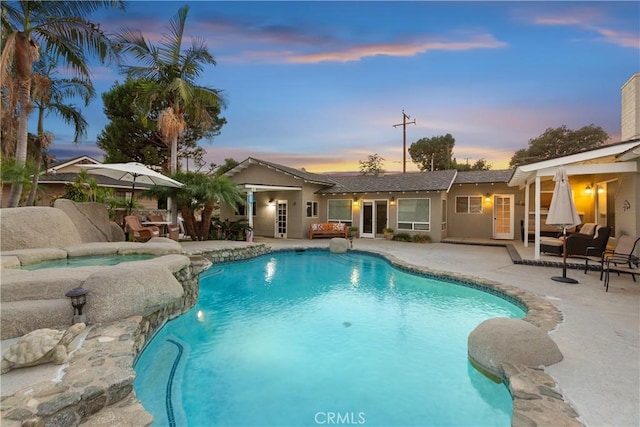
[140, 233]
[629, 264]
[625, 246]
[582, 240]
[582, 244]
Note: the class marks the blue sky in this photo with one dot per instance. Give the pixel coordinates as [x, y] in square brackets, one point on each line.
[320, 85]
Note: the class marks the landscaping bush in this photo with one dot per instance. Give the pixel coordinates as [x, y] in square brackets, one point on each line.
[403, 237]
[421, 238]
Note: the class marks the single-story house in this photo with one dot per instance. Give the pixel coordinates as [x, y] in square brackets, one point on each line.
[284, 202]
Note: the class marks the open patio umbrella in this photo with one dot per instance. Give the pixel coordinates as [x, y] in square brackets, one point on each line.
[563, 214]
[131, 172]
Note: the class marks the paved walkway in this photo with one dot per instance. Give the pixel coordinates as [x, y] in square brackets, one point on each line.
[600, 335]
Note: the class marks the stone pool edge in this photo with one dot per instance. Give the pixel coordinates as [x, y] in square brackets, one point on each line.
[537, 400]
[97, 389]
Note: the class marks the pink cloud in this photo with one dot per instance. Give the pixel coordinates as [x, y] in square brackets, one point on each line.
[358, 52]
[591, 20]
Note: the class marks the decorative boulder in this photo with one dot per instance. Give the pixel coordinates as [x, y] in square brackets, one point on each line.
[338, 245]
[130, 289]
[515, 341]
[36, 227]
[91, 220]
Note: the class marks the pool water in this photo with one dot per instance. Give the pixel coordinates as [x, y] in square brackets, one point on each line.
[308, 338]
[88, 261]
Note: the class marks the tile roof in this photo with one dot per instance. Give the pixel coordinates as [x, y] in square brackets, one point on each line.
[411, 181]
[480, 177]
[298, 173]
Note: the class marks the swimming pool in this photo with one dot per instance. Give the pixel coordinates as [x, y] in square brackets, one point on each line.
[308, 338]
[88, 261]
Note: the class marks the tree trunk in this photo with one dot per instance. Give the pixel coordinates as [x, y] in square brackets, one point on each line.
[21, 144]
[189, 223]
[174, 169]
[38, 160]
[207, 213]
[26, 54]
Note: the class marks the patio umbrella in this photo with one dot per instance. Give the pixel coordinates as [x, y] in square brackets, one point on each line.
[563, 214]
[131, 172]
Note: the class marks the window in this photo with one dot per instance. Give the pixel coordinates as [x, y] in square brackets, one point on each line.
[444, 214]
[339, 210]
[469, 204]
[241, 209]
[413, 214]
[312, 209]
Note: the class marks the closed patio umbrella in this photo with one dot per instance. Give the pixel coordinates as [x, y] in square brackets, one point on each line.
[563, 214]
[131, 172]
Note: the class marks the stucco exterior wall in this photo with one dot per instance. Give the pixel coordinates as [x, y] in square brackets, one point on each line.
[627, 206]
[480, 225]
[264, 219]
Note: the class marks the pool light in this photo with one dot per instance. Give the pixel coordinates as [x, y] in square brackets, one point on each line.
[78, 298]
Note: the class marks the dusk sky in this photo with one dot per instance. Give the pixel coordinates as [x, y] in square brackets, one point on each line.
[320, 85]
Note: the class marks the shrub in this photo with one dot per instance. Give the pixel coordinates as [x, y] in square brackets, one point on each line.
[421, 238]
[402, 237]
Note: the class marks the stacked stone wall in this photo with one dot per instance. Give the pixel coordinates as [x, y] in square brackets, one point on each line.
[100, 375]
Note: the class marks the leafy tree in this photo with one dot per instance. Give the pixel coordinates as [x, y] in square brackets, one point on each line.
[169, 74]
[229, 164]
[479, 165]
[433, 153]
[50, 94]
[559, 142]
[60, 28]
[372, 166]
[128, 137]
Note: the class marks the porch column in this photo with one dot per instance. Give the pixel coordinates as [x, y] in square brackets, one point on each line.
[527, 186]
[537, 220]
[250, 212]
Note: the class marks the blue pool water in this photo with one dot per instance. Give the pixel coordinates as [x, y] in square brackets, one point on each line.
[87, 261]
[308, 338]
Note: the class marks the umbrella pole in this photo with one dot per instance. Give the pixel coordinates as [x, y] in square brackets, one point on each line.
[564, 277]
[133, 189]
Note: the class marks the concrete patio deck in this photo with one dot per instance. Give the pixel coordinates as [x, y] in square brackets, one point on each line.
[600, 334]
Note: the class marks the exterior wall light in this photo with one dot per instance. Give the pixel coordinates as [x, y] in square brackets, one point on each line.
[78, 298]
[487, 197]
[393, 201]
[588, 190]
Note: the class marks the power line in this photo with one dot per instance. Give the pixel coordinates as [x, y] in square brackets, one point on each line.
[404, 124]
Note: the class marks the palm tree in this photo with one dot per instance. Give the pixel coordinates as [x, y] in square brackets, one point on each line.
[170, 74]
[201, 192]
[49, 94]
[60, 28]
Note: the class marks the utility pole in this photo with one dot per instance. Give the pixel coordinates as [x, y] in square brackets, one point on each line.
[404, 124]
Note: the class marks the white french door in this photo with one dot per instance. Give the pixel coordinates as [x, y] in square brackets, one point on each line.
[281, 219]
[503, 215]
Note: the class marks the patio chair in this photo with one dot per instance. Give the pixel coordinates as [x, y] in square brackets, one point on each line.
[140, 233]
[577, 243]
[581, 245]
[173, 230]
[629, 264]
[625, 245]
